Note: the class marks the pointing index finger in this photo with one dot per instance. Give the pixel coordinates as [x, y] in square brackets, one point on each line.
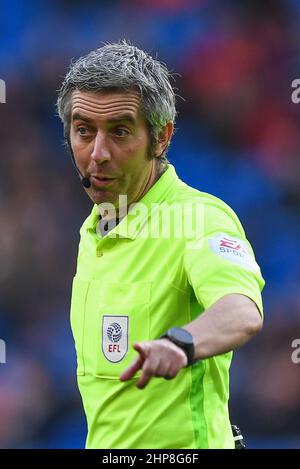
[136, 364]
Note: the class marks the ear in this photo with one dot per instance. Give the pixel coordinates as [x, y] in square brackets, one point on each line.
[164, 139]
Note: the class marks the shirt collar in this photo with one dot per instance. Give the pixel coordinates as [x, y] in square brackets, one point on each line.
[131, 225]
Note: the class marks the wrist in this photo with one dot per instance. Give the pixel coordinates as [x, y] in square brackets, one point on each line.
[182, 339]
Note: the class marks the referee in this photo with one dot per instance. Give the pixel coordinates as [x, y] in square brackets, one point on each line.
[167, 285]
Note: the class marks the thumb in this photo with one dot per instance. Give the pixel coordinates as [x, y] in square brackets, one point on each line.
[143, 348]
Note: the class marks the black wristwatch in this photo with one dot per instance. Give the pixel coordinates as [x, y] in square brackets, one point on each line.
[184, 340]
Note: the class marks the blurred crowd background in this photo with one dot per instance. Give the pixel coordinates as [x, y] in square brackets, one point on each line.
[237, 138]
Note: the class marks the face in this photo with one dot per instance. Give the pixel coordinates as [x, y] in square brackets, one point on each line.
[111, 145]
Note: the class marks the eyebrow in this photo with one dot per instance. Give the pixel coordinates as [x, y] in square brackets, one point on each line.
[80, 117]
[113, 120]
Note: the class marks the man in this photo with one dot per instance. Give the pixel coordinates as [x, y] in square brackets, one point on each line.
[156, 258]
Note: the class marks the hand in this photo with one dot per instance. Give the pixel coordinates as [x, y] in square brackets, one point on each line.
[156, 358]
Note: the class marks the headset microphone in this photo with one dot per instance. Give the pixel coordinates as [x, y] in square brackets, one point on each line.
[84, 180]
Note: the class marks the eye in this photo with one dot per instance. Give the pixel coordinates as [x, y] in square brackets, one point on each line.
[120, 132]
[82, 130]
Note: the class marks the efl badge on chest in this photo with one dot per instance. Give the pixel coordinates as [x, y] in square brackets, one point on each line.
[115, 337]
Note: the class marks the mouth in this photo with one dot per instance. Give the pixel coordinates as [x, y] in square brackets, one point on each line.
[101, 181]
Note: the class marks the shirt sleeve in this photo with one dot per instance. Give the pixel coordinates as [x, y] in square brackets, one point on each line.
[221, 260]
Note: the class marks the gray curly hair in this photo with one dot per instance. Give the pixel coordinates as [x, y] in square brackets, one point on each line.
[122, 66]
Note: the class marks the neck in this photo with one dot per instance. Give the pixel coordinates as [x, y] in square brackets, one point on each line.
[157, 169]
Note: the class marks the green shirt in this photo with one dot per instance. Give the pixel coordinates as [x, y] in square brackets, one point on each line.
[155, 270]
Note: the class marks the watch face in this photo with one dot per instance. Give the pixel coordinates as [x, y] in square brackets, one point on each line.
[184, 340]
[181, 335]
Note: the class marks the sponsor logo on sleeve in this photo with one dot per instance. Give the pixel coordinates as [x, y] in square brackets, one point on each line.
[234, 250]
[114, 337]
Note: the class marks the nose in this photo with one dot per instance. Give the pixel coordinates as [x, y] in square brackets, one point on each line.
[100, 151]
